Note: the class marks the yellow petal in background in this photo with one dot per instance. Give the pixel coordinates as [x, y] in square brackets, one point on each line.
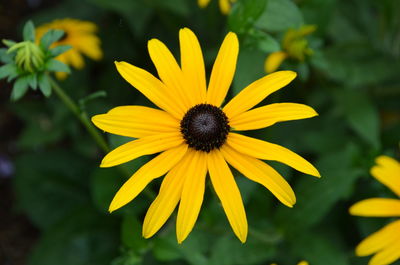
[273, 61]
[261, 173]
[376, 207]
[379, 240]
[128, 121]
[167, 199]
[387, 171]
[270, 114]
[257, 91]
[223, 70]
[169, 72]
[225, 6]
[203, 3]
[192, 194]
[303, 263]
[155, 168]
[152, 88]
[268, 151]
[192, 64]
[225, 186]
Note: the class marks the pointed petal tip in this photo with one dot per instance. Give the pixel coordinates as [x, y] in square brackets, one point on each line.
[243, 238]
[146, 234]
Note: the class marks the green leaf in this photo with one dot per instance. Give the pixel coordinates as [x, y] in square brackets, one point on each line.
[248, 59]
[263, 41]
[50, 37]
[20, 88]
[5, 57]
[165, 250]
[44, 85]
[361, 113]
[82, 238]
[105, 182]
[131, 234]
[9, 43]
[280, 15]
[228, 250]
[57, 66]
[8, 70]
[59, 189]
[319, 248]
[135, 14]
[29, 31]
[244, 14]
[59, 50]
[32, 80]
[315, 197]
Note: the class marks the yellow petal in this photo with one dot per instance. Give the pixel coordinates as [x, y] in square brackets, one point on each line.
[273, 61]
[203, 3]
[155, 168]
[225, 186]
[268, 151]
[169, 72]
[271, 114]
[144, 146]
[376, 207]
[192, 194]
[261, 173]
[167, 199]
[224, 6]
[388, 255]
[192, 63]
[257, 91]
[223, 70]
[75, 59]
[151, 87]
[90, 46]
[61, 75]
[136, 121]
[379, 240]
[387, 171]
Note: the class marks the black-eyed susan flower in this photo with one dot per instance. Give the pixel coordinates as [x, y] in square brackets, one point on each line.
[294, 46]
[385, 243]
[195, 135]
[80, 35]
[224, 5]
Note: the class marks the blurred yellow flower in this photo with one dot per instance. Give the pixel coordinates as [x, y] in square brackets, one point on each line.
[195, 136]
[385, 243]
[224, 5]
[294, 46]
[80, 35]
[300, 263]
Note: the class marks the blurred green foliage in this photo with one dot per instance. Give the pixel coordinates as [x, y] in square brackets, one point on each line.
[352, 80]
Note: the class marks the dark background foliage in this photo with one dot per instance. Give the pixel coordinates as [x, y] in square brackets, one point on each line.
[54, 205]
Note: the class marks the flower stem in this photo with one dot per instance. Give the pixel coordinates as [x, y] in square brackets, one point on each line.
[83, 118]
[81, 115]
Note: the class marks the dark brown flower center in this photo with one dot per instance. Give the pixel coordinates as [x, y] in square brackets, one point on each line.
[205, 127]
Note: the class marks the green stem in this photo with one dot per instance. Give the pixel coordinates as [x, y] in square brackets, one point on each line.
[83, 118]
[81, 115]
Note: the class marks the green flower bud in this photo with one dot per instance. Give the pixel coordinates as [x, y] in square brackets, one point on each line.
[29, 57]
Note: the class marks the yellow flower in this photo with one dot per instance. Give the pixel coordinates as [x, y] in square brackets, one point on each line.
[300, 263]
[196, 136]
[224, 5]
[80, 35]
[294, 46]
[385, 243]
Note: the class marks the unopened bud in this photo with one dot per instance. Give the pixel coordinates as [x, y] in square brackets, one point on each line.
[29, 56]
